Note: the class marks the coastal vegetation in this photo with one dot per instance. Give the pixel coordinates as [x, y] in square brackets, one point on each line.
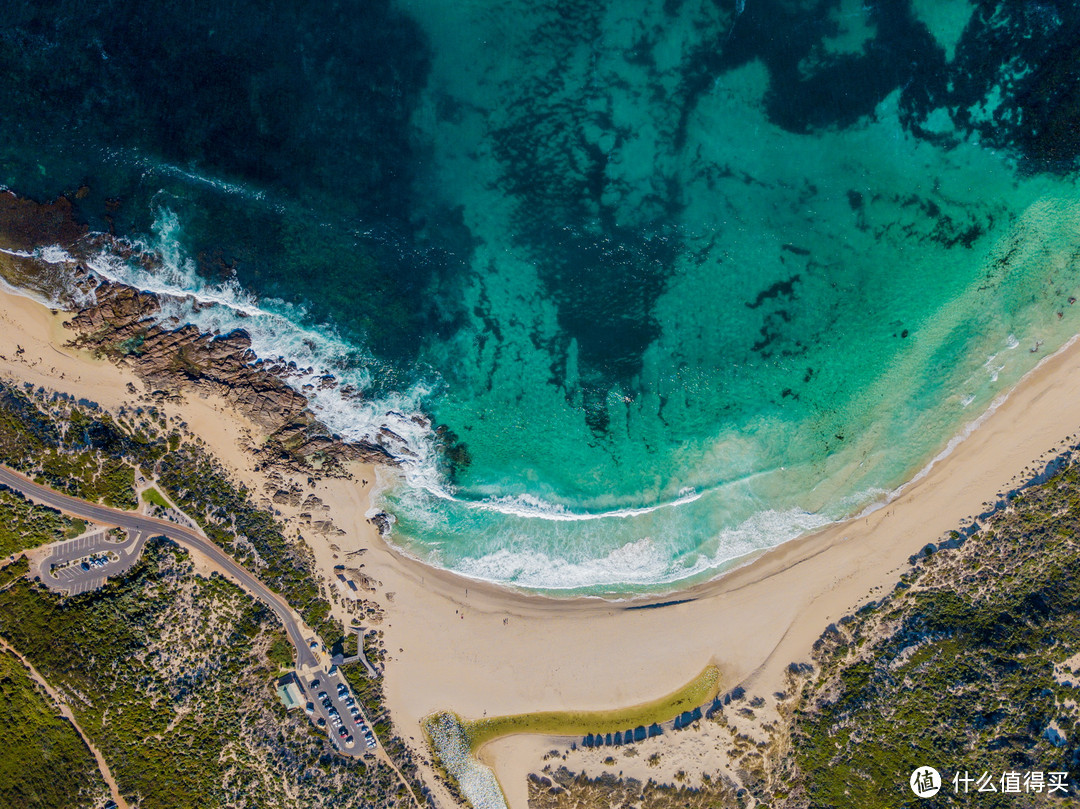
[563, 789]
[971, 664]
[25, 525]
[43, 762]
[78, 447]
[36, 424]
[170, 675]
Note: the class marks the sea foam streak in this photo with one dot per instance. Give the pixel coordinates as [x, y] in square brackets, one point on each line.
[275, 333]
[642, 562]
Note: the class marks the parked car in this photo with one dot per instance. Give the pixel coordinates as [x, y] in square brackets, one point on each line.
[343, 733]
[350, 701]
[370, 742]
[314, 683]
[323, 695]
[309, 708]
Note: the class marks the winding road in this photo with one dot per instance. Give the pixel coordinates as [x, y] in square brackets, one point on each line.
[185, 537]
[298, 633]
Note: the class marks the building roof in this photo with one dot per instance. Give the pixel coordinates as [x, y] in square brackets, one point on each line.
[289, 694]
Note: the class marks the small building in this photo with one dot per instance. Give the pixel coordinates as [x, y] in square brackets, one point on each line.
[288, 690]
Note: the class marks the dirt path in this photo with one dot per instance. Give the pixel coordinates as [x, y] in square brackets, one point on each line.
[65, 711]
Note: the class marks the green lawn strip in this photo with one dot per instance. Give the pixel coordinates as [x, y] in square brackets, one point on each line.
[695, 693]
[154, 498]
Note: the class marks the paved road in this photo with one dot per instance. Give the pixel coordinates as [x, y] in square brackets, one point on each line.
[181, 535]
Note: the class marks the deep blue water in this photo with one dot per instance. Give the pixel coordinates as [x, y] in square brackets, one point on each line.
[674, 283]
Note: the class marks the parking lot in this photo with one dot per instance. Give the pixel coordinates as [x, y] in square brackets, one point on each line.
[329, 708]
[83, 564]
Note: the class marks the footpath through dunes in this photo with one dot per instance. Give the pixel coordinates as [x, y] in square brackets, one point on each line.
[296, 630]
[65, 711]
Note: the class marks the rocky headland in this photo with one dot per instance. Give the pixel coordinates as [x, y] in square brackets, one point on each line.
[128, 326]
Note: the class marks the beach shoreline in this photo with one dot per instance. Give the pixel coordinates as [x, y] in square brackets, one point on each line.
[481, 649]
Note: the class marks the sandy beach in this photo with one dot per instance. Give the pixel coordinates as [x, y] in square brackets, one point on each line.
[478, 649]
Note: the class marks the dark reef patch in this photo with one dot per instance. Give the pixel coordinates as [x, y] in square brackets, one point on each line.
[1013, 81]
[280, 136]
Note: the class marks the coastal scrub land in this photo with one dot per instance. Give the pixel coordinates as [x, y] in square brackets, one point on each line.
[171, 675]
[43, 761]
[171, 672]
[25, 525]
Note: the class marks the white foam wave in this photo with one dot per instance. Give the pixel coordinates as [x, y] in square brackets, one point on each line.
[313, 355]
[967, 431]
[50, 254]
[641, 562]
[56, 292]
[531, 507]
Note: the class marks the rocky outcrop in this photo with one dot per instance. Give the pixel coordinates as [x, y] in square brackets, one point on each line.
[125, 324]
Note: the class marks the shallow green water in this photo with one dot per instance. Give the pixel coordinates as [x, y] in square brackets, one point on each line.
[673, 281]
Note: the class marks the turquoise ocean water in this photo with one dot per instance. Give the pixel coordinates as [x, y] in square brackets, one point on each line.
[634, 289]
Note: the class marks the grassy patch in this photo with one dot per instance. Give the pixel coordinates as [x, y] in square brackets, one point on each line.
[578, 723]
[154, 498]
